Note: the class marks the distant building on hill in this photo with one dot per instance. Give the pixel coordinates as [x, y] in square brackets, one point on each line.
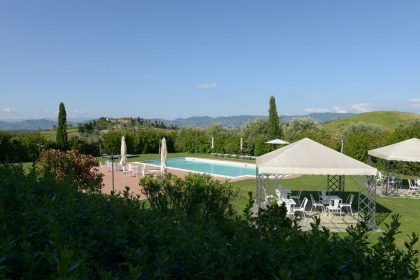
[122, 119]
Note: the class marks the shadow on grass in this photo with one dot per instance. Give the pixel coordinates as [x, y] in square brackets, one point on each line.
[382, 213]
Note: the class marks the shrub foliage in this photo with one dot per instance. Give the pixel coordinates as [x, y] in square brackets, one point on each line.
[80, 168]
[51, 231]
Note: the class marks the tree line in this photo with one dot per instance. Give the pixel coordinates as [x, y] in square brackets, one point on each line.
[359, 138]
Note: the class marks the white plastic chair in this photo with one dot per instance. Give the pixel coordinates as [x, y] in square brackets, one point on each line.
[124, 171]
[316, 204]
[301, 208]
[267, 197]
[325, 202]
[347, 204]
[141, 170]
[379, 179]
[131, 170]
[297, 197]
[102, 166]
[290, 212]
[412, 187]
[333, 207]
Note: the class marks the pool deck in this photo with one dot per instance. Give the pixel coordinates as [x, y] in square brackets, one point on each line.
[121, 181]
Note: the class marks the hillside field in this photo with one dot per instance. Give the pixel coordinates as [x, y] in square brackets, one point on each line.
[387, 119]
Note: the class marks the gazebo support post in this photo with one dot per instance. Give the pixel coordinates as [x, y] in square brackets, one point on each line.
[335, 183]
[266, 185]
[366, 206]
[393, 168]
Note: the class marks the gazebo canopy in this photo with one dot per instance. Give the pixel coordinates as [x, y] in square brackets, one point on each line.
[277, 141]
[408, 150]
[309, 157]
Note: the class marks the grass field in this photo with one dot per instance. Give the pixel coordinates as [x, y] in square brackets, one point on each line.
[387, 119]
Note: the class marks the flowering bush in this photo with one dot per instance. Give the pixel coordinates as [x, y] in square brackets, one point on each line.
[79, 167]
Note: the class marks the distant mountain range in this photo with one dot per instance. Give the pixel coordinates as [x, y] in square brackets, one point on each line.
[23, 125]
[238, 121]
[231, 121]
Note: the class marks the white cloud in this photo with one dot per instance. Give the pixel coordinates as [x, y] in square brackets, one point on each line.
[361, 107]
[9, 110]
[414, 100]
[207, 85]
[339, 110]
[77, 112]
[316, 110]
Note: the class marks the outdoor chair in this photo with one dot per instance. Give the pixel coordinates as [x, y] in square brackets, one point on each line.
[109, 166]
[333, 207]
[282, 194]
[297, 196]
[316, 204]
[348, 203]
[102, 166]
[124, 171]
[413, 187]
[131, 169]
[267, 197]
[379, 179]
[301, 208]
[324, 202]
[290, 212]
[141, 169]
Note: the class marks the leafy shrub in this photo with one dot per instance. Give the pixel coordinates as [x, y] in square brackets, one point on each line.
[197, 196]
[51, 231]
[79, 167]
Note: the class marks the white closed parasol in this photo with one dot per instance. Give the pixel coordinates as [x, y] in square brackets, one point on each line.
[163, 154]
[123, 160]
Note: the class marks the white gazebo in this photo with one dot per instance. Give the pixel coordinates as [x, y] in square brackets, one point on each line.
[395, 154]
[309, 157]
[277, 142]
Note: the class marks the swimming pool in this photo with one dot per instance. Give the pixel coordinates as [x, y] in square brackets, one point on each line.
[213, 167]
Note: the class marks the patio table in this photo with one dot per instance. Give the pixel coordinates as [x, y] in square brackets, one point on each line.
[287, 201]
[329, 197]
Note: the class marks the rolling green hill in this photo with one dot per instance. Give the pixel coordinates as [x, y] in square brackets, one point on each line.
[387, 119]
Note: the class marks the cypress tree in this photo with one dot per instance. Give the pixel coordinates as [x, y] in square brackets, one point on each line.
[61, 136]
[273, 120]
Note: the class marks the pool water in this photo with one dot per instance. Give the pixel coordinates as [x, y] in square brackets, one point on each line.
[213, 167]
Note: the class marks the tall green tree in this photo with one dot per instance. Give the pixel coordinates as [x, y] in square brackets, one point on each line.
[61, 136]
[273, 120]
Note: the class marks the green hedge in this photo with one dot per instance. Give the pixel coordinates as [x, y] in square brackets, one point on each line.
[48, 230]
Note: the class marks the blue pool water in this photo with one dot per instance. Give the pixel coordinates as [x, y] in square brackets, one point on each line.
[215, 167]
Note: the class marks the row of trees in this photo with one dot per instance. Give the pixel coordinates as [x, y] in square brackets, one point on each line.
[361, 138]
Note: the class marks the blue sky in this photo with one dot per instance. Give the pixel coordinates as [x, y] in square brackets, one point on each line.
[177, 59]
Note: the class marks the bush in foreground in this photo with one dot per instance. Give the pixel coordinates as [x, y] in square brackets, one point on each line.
[80, 168]
[51, 231]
